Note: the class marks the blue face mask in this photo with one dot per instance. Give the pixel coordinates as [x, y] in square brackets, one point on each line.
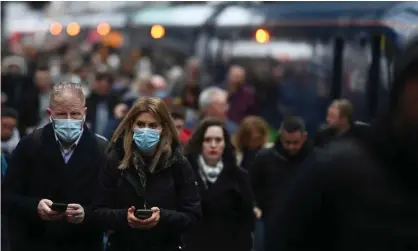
[161, 94]
[68, 130]
[146, 138]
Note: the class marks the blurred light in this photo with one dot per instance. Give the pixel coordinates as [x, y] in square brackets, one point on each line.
[103, 29]
[157, 31]
[73, 29]
[262, 36]
[55, 28]
[113, 39]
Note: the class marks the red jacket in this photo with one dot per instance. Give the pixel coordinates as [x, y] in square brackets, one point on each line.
[185, 135]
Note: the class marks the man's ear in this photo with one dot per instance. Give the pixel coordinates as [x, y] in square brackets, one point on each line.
[85, 111]
[49, 112]
[305, 136]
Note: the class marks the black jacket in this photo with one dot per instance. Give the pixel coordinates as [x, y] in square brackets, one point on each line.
[359, 195]
[326, 135]
[227, 207]
[37, 171]
[272, 170]
[172, 188]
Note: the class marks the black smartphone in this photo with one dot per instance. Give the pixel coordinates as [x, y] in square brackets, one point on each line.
[59, 207]
[143, 213]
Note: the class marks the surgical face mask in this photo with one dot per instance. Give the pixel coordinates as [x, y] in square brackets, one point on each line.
[68, 130]
[146, 138]
[161, 94]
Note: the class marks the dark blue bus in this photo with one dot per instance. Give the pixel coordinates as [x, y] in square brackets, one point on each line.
[327, 50]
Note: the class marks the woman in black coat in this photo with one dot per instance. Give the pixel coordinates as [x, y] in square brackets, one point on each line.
[147, 172]
[227, 201]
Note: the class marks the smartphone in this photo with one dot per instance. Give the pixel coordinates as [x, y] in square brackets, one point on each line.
[143, 213]
[59, 207]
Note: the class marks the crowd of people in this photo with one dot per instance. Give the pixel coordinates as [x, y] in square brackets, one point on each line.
[158, 164]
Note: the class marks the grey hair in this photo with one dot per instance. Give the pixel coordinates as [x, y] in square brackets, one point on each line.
[63, 87]
[208, 94]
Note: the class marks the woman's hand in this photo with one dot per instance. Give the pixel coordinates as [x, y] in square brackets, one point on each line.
[149, 223]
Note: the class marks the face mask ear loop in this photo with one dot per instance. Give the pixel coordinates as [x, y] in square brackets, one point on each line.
[83, 122]
[51, 119]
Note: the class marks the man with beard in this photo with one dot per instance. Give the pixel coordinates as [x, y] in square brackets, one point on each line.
[274, 167]
[339, 122]
[360, 195]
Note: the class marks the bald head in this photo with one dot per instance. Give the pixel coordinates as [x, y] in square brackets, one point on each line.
[67, 101]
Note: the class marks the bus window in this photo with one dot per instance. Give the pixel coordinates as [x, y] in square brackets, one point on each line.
[356, 65]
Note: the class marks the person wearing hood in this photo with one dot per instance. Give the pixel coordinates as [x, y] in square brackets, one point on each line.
[147, 194]
[274, 167]
[360, 194]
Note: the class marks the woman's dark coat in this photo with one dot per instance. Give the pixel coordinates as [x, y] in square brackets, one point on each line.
[227, 208]
[172, 188]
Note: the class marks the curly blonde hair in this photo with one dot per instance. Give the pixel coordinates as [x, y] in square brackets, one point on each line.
[248, 125]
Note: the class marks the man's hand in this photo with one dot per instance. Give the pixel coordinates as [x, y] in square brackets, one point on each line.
[75, 213]
[45, 212]
[146, 223]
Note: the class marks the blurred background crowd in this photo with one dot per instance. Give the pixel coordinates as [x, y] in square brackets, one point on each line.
[227, 60]
[248, 64]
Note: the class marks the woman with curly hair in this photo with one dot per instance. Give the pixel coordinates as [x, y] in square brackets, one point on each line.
[252, 136]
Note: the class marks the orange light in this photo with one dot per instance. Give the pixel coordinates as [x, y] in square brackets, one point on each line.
[103, 29]
[157, 31]
[262, 36]
[73, 29]
[55, 28]
[113, 39]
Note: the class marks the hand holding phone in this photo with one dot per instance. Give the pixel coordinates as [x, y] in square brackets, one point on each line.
[46, 212]
[143, 218]
[59, 207]
[143, 213]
